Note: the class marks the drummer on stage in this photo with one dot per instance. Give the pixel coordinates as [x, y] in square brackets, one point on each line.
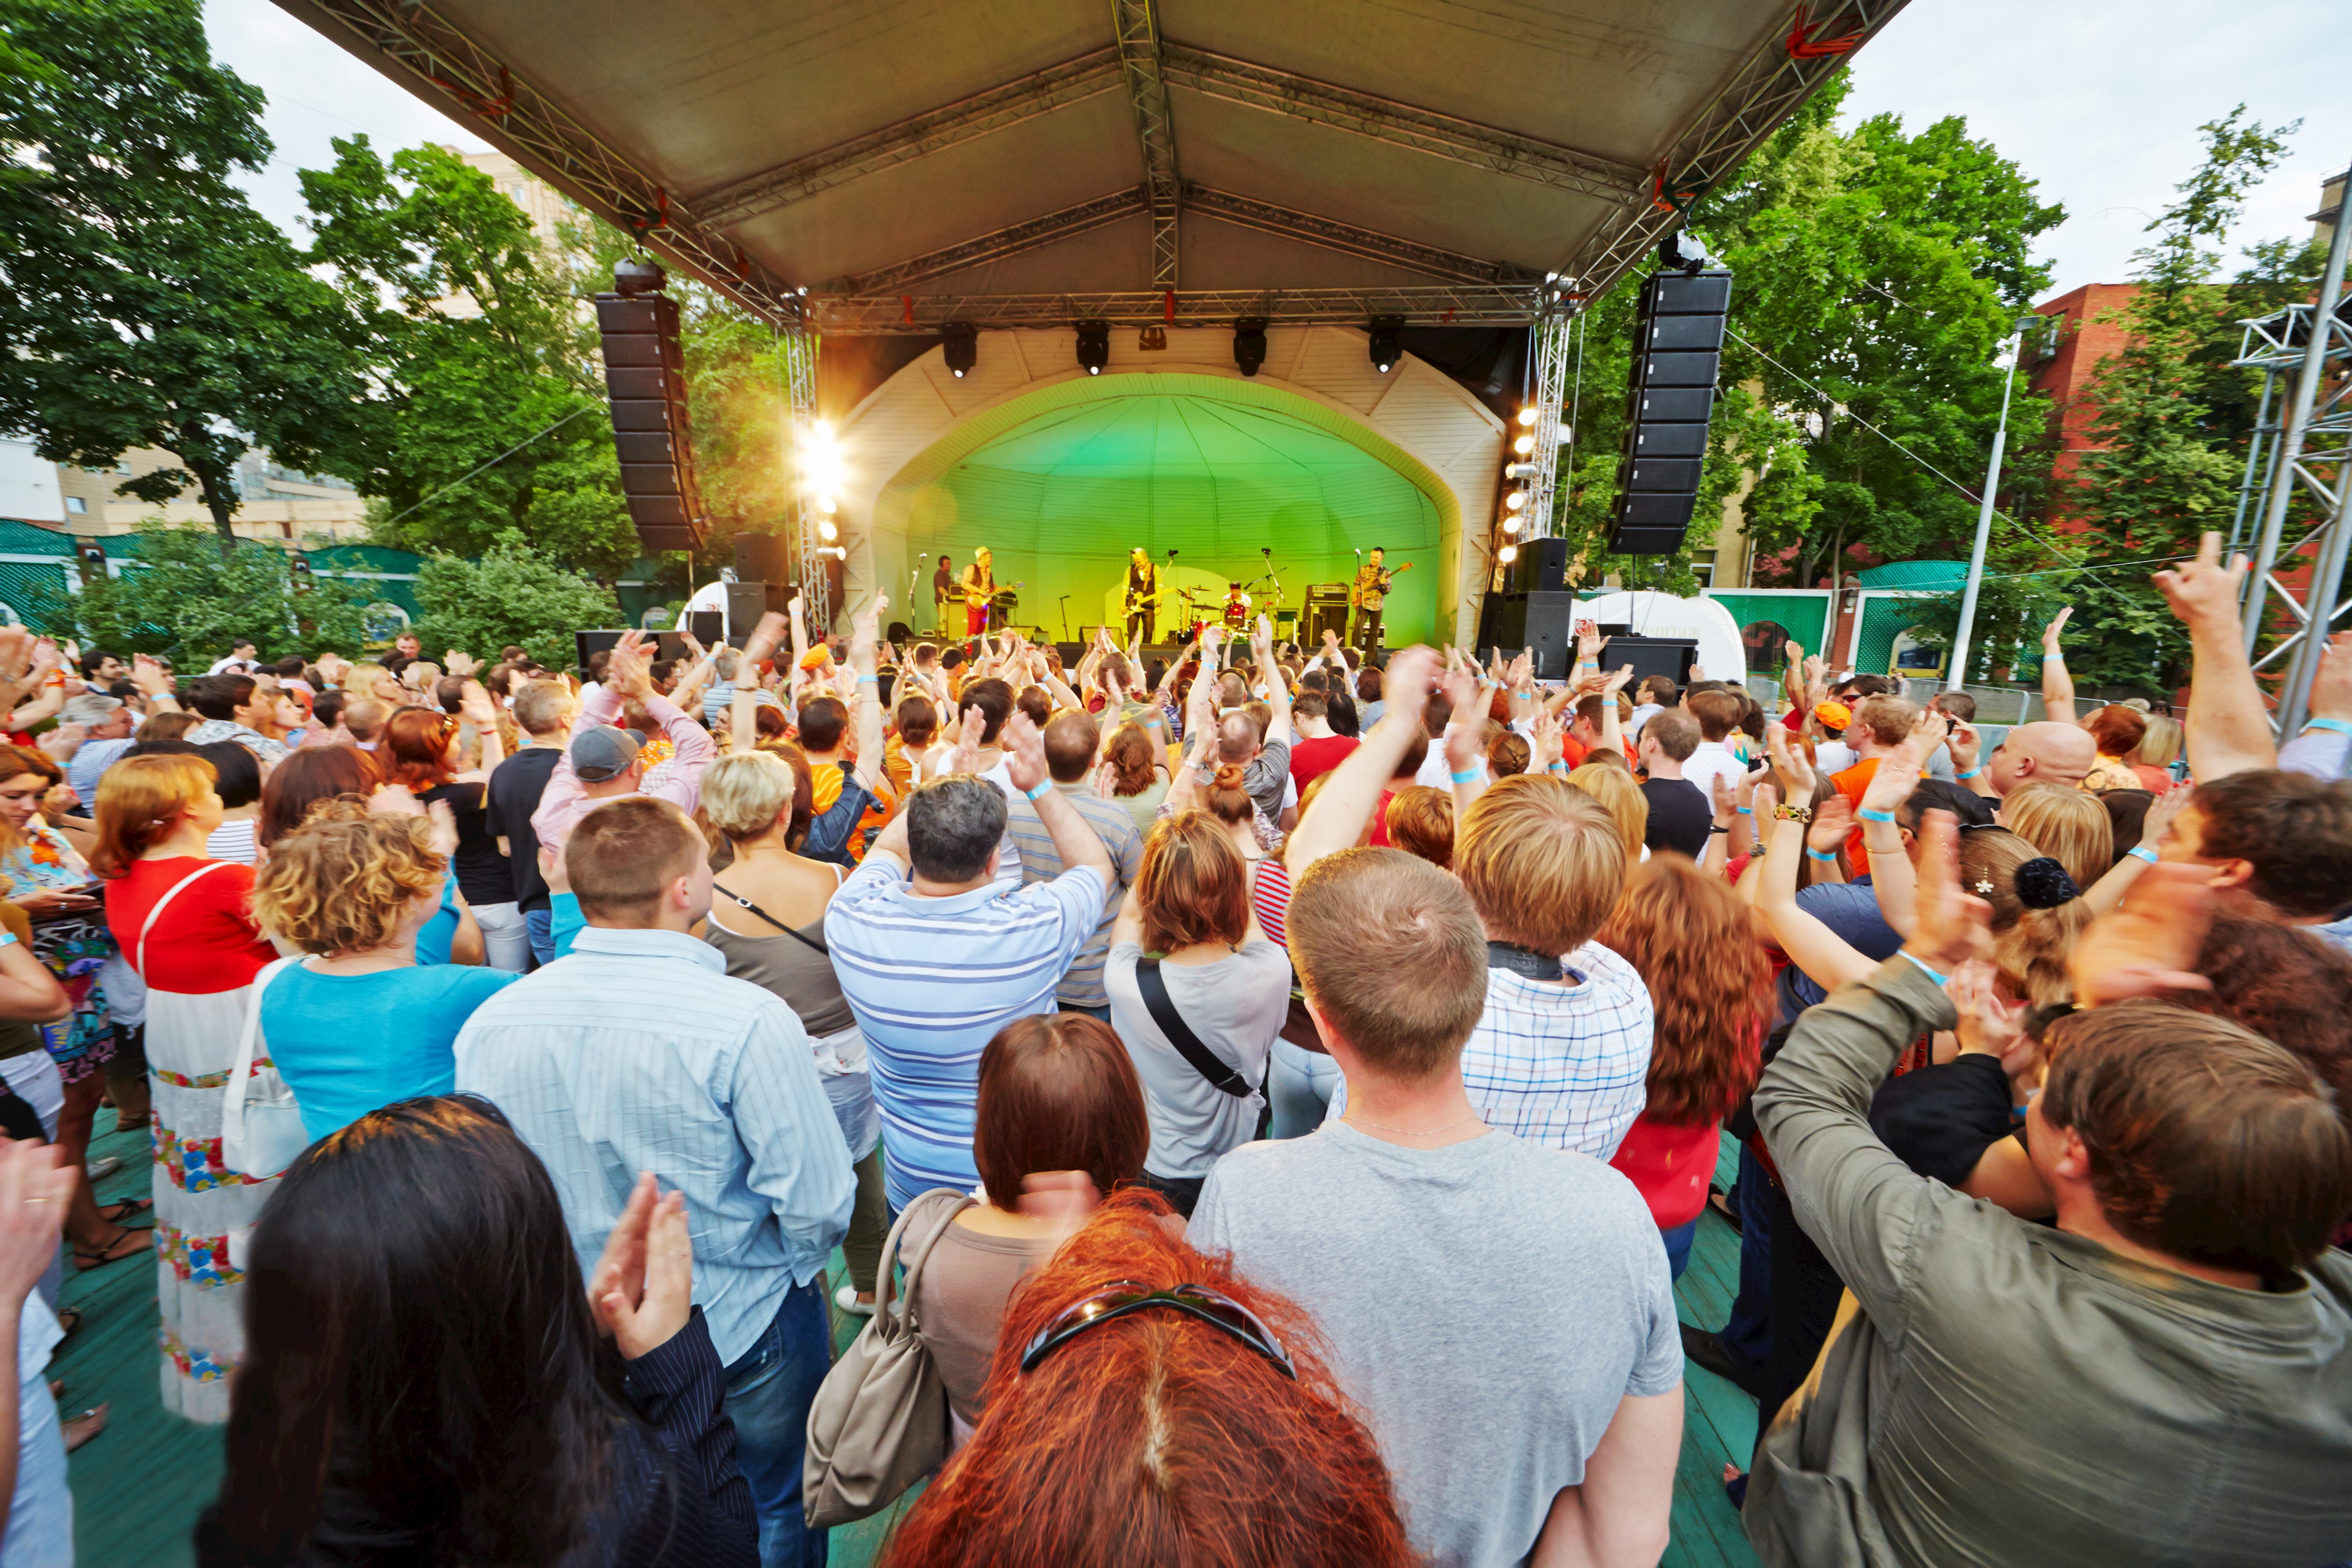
[1143, 583]
[1238, 605]
[978, 586]
[943, 594]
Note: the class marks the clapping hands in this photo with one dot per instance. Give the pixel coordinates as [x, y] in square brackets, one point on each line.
[642, 1289]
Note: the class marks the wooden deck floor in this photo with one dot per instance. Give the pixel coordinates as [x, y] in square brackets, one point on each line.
[139, 1486]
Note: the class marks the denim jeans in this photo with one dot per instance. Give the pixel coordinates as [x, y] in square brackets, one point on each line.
[1299, 1082]
[769, 1392]
[1102, 1012]
[1678, 1247]
[540, 925]
[1747, 1335]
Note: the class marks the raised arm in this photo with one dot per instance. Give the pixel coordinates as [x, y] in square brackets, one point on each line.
[2229, 725]
[477, 710]
[1892, 880]
[2057, 686]
[1463, 754]
[1074, 841]
[1352, 791]
[1277, 690]
[1827, 958]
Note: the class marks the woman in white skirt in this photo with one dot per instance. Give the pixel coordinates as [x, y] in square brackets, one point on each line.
[767, 915]
[182, 922]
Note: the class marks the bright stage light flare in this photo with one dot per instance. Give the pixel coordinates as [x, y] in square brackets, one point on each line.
[826, 531]
[1515, 500]
[1508, 554]
[1527, 414]
[1511, 524]
[1524, 445]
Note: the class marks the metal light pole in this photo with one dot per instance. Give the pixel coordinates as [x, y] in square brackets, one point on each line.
[1957, 676]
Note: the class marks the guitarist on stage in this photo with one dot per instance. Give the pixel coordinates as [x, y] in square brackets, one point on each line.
[1368, 593]
[943, 594]
[978, 586]
[1143, 590]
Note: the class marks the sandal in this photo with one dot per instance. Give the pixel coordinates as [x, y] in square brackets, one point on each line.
[127, 1243]
[129, 1208]
[81, 1429]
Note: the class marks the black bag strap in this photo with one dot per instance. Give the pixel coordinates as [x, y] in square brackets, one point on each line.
[787, 930]
[1179, 1034]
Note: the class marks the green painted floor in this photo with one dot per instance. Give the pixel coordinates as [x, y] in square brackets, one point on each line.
[139, 1486]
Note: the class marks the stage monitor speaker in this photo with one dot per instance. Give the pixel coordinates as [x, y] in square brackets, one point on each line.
[1327, 611]
[644, 377]
[1669, 656]
[764, 557]
[1677, 348]
[1542, 567]
[1543, 621]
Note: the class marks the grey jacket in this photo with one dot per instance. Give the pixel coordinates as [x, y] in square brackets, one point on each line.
[1998, 1392]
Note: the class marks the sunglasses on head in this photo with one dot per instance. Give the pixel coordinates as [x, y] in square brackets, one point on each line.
[1121, 1297]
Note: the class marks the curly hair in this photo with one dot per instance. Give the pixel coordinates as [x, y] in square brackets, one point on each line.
[347, 878]
[1133, 759]
[1686, 933]
[1163, 1440]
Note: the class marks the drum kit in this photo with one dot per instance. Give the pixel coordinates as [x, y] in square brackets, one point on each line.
[1198, 610]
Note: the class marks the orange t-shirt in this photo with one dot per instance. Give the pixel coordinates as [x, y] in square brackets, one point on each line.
[1851, 784]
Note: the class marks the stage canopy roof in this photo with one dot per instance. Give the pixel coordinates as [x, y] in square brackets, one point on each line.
[886, 166]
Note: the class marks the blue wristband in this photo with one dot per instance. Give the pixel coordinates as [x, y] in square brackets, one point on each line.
[1939, 979]
[1812, 853]
[2142, 853]
[1040, 793]
[1870, 816]
[1744, 811]
[1469, 776]
[1970, 773]
[2336, 726]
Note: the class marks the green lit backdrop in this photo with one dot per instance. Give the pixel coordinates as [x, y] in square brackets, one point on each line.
[1060, 484]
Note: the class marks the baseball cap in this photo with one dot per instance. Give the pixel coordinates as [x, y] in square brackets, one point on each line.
[603, 753]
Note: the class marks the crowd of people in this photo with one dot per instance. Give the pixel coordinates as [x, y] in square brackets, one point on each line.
[1261, 1099]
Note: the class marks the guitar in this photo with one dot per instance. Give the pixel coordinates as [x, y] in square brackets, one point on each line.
[1136, 602]
[1369, 596]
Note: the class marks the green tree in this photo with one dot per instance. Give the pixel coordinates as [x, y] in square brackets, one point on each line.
[184, 599]
[513, 593]
[479, 344]
[146, 303]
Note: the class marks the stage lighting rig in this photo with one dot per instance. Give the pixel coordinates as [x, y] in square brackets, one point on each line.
[1249, 344]
[1515, 500]
[961, 347]
[1508, 554]
[1094, 346]
[1386, 347]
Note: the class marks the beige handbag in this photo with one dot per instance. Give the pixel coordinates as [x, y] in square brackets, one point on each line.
[879, 1423]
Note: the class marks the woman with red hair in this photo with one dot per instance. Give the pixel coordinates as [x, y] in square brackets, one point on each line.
[1686, 933]
[1147, 1407]
[423, 751]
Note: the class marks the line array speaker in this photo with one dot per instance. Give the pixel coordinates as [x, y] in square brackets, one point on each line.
[1677, 349]
[644, 377]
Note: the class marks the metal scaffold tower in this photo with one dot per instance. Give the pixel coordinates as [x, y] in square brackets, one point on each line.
[2301, 446]
[809, 502]
[1550, 402]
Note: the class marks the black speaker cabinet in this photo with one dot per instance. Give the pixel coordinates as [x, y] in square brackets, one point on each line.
[1669, 656]
[1543, 621]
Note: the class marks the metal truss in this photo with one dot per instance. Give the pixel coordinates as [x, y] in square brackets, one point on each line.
[1010, 240]
[1550, 399]
[1380, 119]
[2310, 457]
[799, 351]
[1137, 24]
[1770, 85]
[1332, 233]
[450, 69]
[1463, 305]
[1090, 75]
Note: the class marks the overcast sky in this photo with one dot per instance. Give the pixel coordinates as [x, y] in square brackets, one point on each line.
[2099, 100]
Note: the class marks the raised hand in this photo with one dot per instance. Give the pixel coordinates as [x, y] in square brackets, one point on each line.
[1024, 751]
[2050, 632]
[1617, 681]
[1725, 796]
[1989, 1026]
[1964, 743]
[1788, 760]
[476, 707]
[2156, 825]
[1550, 744]
[1587, 643]
[765, 638]
[965, 757]
[1406, 686]
[625, 672]
[1832, 823]
[2331, 687]
[2204, 591]
[459, 662]
[16, 653]
[1795, 650]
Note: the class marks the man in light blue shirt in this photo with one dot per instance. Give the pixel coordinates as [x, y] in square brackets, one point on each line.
[935, 955]
[637, 1052]
[106, 723]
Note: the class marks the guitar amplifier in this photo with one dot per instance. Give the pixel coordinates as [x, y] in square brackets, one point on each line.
[1326, 610]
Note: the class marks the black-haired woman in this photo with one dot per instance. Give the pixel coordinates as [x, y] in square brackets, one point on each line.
[422, 1381]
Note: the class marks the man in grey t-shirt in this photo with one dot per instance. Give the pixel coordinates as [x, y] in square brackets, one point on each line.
[1548, 1402]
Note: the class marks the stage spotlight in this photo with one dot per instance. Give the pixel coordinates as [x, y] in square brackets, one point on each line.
[1094, 346]
[1682, 249]
[1527, 414]
[1522, 471]
[1249, 344]
[1515, 500]
[825, 503]
[962, 346]
[826, 531]
[1386, 350]
[1508, 554]
[1511, 524]
[1524, 445]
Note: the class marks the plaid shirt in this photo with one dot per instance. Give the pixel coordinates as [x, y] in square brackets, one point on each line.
[1563, 1066]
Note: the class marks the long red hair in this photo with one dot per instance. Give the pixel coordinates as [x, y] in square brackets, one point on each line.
[1155, 1440]
[1685, 932]
[416, 742]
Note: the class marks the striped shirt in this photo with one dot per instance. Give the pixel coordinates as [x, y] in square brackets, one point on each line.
[637, 1052]
[1082, 986]
[1563, 1066]
[932, 980]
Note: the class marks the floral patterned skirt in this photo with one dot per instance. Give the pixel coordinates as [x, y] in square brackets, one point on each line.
[75, 947]
[192, 1041]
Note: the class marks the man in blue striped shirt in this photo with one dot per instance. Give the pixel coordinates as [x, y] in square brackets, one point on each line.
[935, 957]
[1070, 742]
[637, 1052]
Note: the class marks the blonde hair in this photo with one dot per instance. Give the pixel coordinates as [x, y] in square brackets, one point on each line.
[744, 793]
[1392, 954]
[1543, 862]
[2159, 747]
[1619, 796]
[2068, 825]
[347, 878]
[360, 680]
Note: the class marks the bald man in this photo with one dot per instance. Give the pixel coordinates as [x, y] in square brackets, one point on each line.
[2043, 752]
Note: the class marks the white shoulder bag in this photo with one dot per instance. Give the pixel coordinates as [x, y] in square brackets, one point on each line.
[260, 1139]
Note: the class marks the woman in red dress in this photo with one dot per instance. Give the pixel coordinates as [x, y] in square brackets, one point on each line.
[183, 924]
